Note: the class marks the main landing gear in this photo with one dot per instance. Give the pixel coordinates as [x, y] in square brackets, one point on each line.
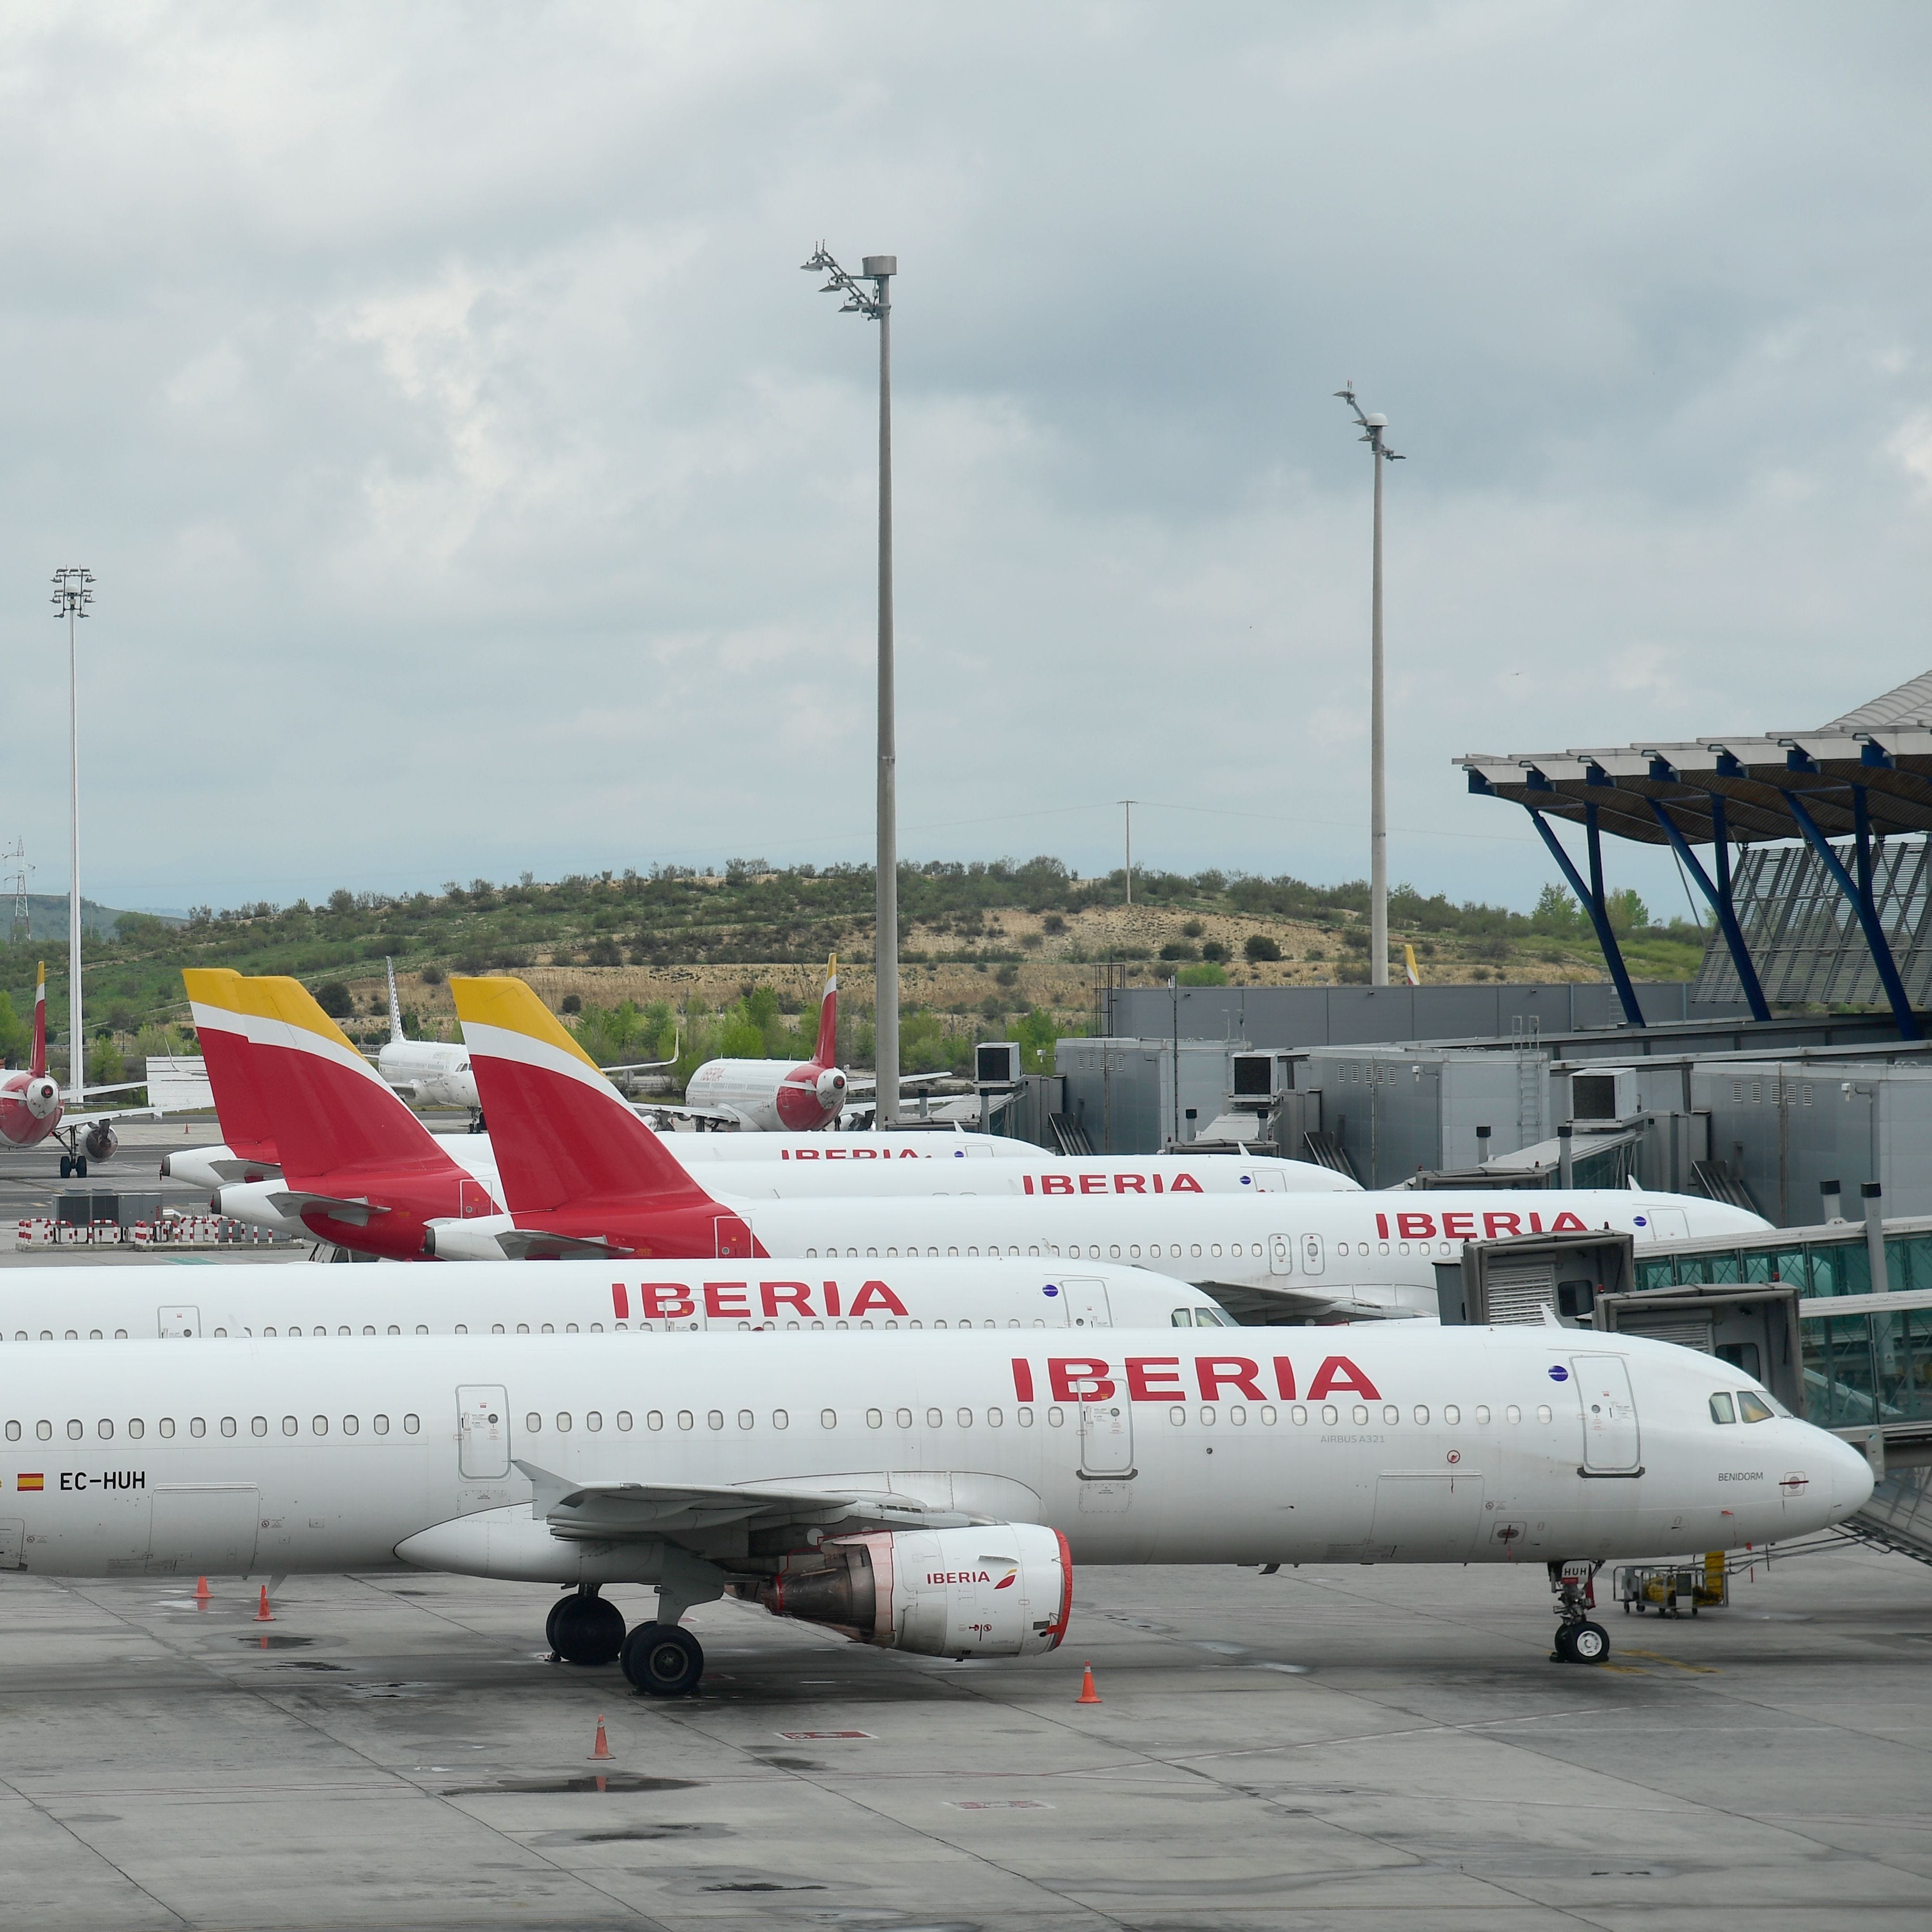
[583, 1629]
[660, 1659]
[1578, 1640]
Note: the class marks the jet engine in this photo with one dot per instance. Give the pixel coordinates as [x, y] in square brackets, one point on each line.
[100, 1141]
[831, 1090]
[41, 1096]
[1004, 1590]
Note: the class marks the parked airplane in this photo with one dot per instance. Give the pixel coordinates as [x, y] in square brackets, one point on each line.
[32, 1109]
[928, 1493]
[72, 1304]
[767, 1097]
[581, 1176]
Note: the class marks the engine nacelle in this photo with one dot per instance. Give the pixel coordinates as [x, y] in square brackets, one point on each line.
[1002, 1591]
[100, 1141]
[40, 1097]
[831, 1089]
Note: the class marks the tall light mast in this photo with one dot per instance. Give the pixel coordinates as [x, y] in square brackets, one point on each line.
[876, 303]
[1372, 426]
[74, 591]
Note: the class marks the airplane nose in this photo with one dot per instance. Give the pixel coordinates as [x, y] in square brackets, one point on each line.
[1852, 1481]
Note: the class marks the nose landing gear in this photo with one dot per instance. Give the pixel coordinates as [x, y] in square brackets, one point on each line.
[1579, 1640]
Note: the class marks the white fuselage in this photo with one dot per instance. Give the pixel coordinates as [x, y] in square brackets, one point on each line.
[430, 1073]
[1453, 1446]
[1347, 1255]
[78, 1304]
[750, 1092]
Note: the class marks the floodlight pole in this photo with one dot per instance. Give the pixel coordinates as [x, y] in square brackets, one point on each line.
[1372, 426]
[73, 591]
[1128, 804]
[876, 303]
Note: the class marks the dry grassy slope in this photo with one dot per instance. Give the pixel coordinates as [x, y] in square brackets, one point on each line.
[1313, 954]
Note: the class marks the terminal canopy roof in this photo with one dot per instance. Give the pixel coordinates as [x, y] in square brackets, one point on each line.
[1737, 785]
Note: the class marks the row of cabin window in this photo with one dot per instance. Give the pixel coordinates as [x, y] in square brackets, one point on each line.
[1174, 1251]
[935, 1418]
[569, 1328]
[1298, 1414]
[197, 1426]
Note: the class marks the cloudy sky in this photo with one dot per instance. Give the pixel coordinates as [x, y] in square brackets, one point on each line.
[474, 484]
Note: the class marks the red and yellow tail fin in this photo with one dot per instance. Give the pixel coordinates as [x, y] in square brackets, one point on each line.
[331, 1110]
[825, 1053]
[40, 1062]
[227, 1029]
[562, 1134]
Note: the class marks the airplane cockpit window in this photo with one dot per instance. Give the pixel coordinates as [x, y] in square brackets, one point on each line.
[1182, 1317]
[1720, 1408]
[1752, 1408]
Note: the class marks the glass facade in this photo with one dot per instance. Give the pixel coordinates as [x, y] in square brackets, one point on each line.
[1804, 937]
[1860, 1368]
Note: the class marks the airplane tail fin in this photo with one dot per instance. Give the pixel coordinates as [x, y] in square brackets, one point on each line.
[39, 1061]
[562, 1133]
[825, 1054]
[1413, 978]
[395, 1006]
[330, 1109]
[226, 1030]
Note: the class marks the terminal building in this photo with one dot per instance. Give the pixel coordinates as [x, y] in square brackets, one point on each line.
[1792, 1077]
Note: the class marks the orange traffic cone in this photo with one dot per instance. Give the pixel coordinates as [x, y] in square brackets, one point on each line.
[601, 1748]
[263, 1614]
[201, 1591]
[1088, 1695]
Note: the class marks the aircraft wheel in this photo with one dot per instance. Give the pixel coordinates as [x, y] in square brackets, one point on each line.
[1562, 1653]
[80, 1167]
[662, 1660]
[1589, 1643]
[585, 1630]
[66, 1167]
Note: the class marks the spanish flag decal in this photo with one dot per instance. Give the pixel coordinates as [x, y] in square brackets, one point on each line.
[35, 1481]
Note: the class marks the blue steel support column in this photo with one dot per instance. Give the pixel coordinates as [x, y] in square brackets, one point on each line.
[1906, 1020]
[1593, 904]
[1720, 901]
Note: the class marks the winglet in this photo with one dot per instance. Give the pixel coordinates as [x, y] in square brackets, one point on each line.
[40, 1060]
[562, 1133]
[825, 1053]
[395, 1005]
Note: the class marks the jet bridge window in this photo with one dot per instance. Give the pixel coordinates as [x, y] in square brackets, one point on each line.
[1753, 1409]
[1720, 1408]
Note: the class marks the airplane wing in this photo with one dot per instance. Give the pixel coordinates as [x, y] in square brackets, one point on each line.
[110, 1114]
[866, 1083]
[1277, 1307]
[677, 1110]
[672, 1512]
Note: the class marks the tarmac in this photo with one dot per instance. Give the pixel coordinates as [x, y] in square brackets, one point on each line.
[1368, 1747]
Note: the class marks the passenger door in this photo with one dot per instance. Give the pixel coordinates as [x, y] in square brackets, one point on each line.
[1269, 1180]
[13, 1539]
[1106, 1439]
[1611, 1443]
[1086, 1303]
[483, 1432]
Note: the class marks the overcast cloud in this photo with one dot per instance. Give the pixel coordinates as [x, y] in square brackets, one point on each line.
[476, 486]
